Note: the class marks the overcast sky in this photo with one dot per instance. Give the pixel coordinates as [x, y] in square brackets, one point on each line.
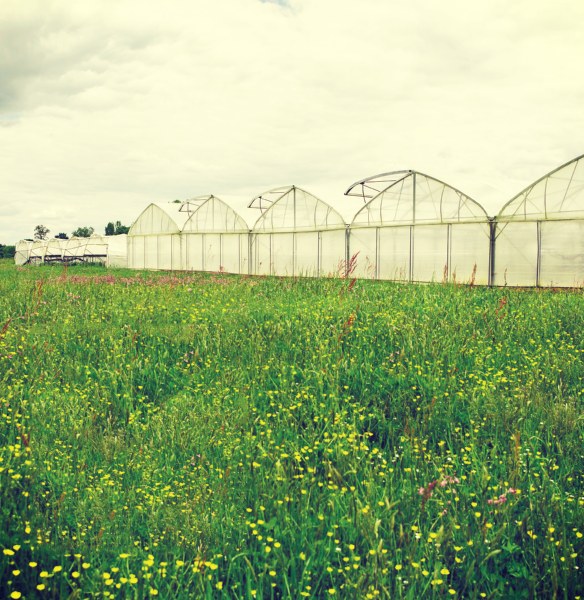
[106, 106]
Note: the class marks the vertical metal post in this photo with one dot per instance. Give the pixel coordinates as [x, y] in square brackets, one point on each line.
[412, 228]
[411, 277]
[250, 254]
[492, 237]
[538, 264]
[347, 249]
[377, 253]
[448, 251]
[319, 254]
[203, 252]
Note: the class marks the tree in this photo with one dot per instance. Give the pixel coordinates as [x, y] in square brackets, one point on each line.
[84, 232]
[116, 229]
[41, 232]
[7, 251]
[62, 236]
[121, 228]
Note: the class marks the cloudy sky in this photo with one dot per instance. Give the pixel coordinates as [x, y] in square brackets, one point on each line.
[108, 105]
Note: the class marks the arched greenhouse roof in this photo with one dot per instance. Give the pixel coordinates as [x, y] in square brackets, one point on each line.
[409, 197]
[291, 208]
[557, 195]
[160, 218]
[211, 214]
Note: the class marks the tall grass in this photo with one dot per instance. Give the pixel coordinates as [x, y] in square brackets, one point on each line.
[200, 435]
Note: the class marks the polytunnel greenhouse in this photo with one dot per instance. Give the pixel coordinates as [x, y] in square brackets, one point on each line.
[22, 252]
[200, 234]
[154, 239]
[539, 237]
[214, 237]
[296, 234]
[108, 250]
[416, 228]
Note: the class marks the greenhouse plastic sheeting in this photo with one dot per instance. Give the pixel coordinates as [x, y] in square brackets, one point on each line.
[215, 237]
[413, 228]
[290, 235]
[22, 253]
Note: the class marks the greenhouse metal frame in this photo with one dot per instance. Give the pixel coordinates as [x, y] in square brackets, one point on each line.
[296, 234]
[539, 236]
[414, 227]
[411, 227]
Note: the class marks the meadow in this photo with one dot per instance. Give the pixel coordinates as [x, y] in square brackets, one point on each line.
[212, 436]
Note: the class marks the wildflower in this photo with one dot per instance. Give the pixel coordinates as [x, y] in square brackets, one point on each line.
[16, 595]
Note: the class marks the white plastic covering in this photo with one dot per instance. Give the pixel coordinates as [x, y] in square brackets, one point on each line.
[117, 250]
[215, 237]
[38, 250]
[416, 228]
[297, 234]
[96, 249]
[75, 249]
[54, 251]
[110, 250]
[154, 238]
[22, 254]
[200, 234]
[539, 236]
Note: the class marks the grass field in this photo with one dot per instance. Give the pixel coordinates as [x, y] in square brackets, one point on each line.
[201, 435]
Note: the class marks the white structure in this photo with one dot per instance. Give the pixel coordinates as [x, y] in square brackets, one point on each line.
[416, 228]
[214, 237]
[200, 234]
[22, 253]
[154, 239]
[55, 248]
[297, 234]
[539, 237]
[112, 251]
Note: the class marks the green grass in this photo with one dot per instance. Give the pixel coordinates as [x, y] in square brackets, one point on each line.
[205, 435]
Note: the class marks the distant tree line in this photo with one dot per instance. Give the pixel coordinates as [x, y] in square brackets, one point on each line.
[7, 251]
[41, 232]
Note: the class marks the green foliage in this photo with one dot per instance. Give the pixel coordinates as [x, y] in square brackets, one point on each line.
[41, 232]
[116, 229]
[7, 251]
[84, 232]
[215, 436]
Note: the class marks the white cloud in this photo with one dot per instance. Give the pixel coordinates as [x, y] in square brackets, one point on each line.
[106, 106]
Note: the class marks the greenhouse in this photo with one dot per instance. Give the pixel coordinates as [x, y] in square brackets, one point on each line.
[296, 234]
[539, 239]
[154, 239]
[22, 253]
[38, 249]
[111, 251]
[55, 250]
[416, 228]
[214, 237]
